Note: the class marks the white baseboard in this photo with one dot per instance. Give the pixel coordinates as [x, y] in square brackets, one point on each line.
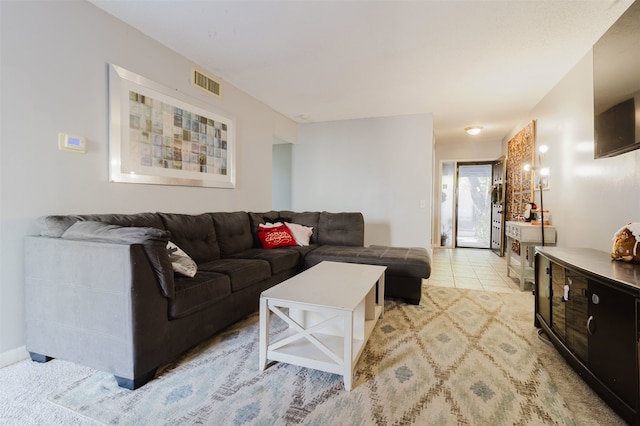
[13, 356]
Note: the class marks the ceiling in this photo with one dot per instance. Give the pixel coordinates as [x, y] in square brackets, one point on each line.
[466, 61]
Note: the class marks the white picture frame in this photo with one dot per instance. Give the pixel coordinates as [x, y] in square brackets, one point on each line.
[158, 136]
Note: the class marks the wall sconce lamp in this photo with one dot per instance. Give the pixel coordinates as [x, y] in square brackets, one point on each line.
[473, 130]
[541, 178]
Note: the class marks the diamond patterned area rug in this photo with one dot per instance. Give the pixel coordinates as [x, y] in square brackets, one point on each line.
[457, 358]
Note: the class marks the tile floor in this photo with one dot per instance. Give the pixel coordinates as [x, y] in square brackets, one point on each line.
[479, 269]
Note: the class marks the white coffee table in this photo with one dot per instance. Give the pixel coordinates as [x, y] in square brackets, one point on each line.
[330, 309]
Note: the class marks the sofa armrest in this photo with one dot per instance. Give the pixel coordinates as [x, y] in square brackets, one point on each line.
[97, 304]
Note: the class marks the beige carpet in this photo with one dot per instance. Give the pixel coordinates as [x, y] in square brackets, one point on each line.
[461, 357]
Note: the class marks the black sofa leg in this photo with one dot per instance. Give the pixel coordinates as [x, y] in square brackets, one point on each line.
[135, 383]
[36, 357]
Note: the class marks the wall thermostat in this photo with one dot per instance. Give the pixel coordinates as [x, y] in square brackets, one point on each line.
[72, 143]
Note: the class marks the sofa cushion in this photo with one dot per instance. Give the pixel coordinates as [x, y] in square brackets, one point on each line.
[400, 261]
[309, 219]
[195, 234]
[153, 240]
[197, 293]
[242, 272]
[341, 229]
[280, 259]
[234, 232]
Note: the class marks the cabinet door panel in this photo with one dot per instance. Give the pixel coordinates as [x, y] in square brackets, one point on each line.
[557, 303]
[543, 288]
[576, 311]
[612, 340]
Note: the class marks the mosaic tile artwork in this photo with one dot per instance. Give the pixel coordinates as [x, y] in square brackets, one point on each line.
[520, 183]
[164, 136]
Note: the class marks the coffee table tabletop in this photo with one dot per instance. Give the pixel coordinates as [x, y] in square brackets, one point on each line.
[332, 284]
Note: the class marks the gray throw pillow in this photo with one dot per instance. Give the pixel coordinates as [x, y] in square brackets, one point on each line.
[106, 233]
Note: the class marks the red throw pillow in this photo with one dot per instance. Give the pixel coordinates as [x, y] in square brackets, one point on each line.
[275, 236]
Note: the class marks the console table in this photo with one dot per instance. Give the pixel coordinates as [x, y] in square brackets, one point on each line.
[589, 306]
[527, 236]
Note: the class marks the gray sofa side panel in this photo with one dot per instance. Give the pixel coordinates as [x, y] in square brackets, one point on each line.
[341, 229]
[153, 240]
[96, 304]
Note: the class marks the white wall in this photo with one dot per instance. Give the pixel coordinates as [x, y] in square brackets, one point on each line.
[381, 167]
[281, 177]
[588, 199]
[54, 57]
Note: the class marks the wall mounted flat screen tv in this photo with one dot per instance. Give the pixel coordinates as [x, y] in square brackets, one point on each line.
[616, 86]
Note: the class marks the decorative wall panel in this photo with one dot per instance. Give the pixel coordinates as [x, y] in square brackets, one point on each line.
[520, 151]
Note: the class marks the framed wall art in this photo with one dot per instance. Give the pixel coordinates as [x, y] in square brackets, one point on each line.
[158, 137]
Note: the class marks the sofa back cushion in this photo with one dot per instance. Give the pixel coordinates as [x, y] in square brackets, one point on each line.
[307, 219]
[257, 218]
[341, 229]
[194, 234]
[234, 232]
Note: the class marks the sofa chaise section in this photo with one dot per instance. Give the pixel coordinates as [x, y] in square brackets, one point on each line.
[406, 266]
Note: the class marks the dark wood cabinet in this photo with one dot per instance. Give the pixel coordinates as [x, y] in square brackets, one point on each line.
[611, 327]
[589, 306]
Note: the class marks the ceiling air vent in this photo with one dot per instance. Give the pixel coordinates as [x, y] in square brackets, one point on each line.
[205, 82]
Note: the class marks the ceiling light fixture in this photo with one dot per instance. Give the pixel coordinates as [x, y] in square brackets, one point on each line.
[473, 130]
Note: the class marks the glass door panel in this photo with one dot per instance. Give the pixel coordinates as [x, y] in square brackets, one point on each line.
[473, 205]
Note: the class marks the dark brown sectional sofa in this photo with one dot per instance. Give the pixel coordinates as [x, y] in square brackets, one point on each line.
[101, 290]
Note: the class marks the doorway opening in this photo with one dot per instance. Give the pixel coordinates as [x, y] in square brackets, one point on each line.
[473, 204]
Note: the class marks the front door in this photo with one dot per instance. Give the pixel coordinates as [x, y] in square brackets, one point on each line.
[473, 204]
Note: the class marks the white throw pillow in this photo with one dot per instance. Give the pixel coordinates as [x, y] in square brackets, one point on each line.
[269, 225]
[182, 263]
[302, 234]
